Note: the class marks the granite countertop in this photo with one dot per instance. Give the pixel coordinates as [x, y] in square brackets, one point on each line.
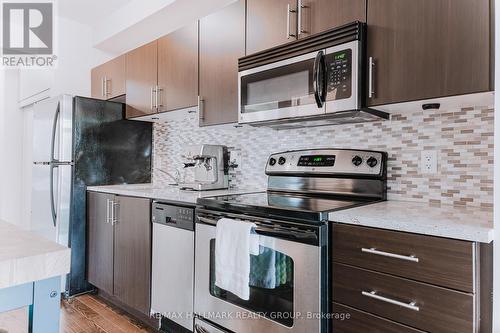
[464, 223]
[167, 193]
[26, 257]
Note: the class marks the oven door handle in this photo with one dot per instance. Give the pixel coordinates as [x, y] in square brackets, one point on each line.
[319, 79]
[284, 234]
[270, 232]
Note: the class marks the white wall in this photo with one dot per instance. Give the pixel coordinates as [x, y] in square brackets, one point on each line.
[139, 22]
[76, 57]
[11, 148]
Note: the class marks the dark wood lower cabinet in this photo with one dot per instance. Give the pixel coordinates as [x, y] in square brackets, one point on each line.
[350, 320]
[100, 241]
[119, 249]
[133, 253]
[391, 281]
[435, 309]
[436, 260]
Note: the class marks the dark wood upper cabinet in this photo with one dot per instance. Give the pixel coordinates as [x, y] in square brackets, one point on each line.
[141, 76]
[100, 241]
[97, 82]
[178, 69]
[320, 15]
[270, 23]
[132, 264]
[428, 48]
[108, 79]
[222, 42]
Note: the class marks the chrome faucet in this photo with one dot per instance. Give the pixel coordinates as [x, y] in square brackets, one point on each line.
[177, 178]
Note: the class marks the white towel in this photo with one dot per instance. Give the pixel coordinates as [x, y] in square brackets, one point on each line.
[234, 243]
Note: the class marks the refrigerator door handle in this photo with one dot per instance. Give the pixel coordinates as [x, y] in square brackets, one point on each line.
[52, 199]
[54, 133]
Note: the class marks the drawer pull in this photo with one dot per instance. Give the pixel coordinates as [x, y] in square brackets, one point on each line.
[373, 294]
[390, 255]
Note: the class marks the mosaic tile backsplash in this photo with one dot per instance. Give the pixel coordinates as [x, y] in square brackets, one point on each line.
[463, 139]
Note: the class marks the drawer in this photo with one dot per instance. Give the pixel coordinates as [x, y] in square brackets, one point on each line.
[201, 326]
[420, 305]
[360, 321]
[441, 261]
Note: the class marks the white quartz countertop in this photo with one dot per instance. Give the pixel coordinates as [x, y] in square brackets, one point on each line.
[464, 223]
[167, 193]
[26, 257]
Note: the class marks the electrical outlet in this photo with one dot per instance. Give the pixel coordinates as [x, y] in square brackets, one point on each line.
[428, 161]
[235, 158]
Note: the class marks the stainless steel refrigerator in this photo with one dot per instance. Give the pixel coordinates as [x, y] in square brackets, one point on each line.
[80, 142]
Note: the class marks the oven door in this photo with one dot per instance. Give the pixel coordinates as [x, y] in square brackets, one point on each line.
[280, 90]
[284, 296]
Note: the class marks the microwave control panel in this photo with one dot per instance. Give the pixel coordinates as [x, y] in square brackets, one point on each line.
[339, 74]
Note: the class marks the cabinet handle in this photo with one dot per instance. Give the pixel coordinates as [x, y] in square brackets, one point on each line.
[288, 11]
[373, 294]
[107, 210]
[102, 87]
[153, 92]
[111, 214]
[390, 255]
[300, 6]
[201, 107]
[114, 219]
[159, 102]
[371, 90]
[105, 86]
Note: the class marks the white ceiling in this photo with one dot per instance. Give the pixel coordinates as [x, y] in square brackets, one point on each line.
[120, 25]
[88, 11]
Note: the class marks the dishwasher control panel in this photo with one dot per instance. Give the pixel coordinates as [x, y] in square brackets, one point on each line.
[176, 216]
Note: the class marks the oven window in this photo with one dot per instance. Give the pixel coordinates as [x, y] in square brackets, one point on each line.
[271, 285]
[277, 88]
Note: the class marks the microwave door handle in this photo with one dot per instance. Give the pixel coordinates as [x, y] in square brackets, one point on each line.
[324, 82]
[318, 83]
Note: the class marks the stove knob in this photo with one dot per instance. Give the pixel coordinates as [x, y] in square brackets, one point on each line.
[372, 162]
[281, 160]
[272, 161]
[356, 160]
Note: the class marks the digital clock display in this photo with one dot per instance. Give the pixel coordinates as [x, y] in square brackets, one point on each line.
[317, 160]
[340, 56]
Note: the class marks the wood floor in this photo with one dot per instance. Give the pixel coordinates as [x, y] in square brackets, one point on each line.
[84, 314]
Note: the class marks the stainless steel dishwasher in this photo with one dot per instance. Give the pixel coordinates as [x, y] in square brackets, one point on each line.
[172, 282]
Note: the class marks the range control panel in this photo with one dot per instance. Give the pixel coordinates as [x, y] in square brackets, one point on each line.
[175, 216]
[327, 161]
[317, 160]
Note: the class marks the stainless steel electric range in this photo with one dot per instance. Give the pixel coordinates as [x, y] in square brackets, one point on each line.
[288, 289]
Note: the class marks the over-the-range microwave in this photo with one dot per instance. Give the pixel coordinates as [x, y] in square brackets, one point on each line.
[318, 80]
